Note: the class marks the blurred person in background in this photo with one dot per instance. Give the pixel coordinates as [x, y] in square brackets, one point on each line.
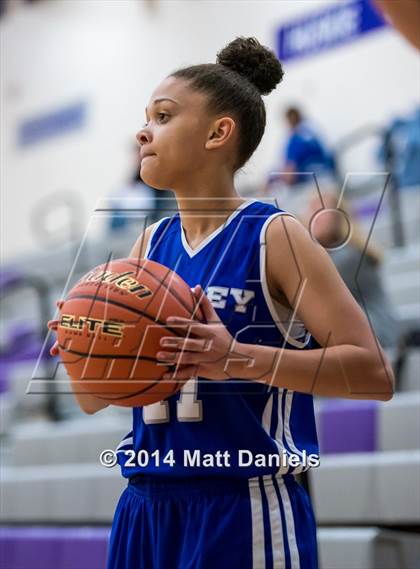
[401, 143]
[346, 243]
[305, 151]
[305, 154]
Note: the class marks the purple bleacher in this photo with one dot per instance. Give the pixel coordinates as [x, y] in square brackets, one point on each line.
[53, 547]
[23, 346]
[23, 341]
[9, 278]
[347, 426]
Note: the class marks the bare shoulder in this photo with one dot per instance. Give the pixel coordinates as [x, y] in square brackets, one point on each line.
[285, 227]
[139, 248]
[288, 239]
[292, 257]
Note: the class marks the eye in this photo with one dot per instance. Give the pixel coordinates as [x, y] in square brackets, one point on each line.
[162, 117]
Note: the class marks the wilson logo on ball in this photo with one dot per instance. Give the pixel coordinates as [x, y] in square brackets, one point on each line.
[121, 280]
[108, 327]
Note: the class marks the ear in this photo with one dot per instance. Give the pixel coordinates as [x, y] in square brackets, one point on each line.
[220, 132]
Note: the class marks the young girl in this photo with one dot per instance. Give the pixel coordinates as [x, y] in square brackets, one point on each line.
[219, 490]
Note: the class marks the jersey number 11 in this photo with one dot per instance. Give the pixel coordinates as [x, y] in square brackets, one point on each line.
[188, 407]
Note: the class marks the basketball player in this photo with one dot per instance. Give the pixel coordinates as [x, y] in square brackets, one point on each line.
[213, 494]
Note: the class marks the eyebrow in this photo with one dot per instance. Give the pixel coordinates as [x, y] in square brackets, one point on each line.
[159, 100]
[165, 99]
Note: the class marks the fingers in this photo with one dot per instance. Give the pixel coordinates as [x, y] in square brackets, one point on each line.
[180, 358]
[187, 344]
[206, 306]
[188, 326]
[192, 328]
[54, 351]
[185, 373]
[52, 324]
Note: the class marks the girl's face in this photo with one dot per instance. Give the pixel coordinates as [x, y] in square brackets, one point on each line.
[173, 140]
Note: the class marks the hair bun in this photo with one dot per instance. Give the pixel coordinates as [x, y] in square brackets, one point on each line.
[252, 60]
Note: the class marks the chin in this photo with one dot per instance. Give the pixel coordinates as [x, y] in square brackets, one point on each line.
[155, 183]
[153, 178]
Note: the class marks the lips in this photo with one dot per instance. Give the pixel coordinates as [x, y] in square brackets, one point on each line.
[146, 155]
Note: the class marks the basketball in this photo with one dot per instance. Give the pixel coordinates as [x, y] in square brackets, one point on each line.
[110, 326]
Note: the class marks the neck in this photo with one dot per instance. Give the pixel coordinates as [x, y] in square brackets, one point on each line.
[206, 205]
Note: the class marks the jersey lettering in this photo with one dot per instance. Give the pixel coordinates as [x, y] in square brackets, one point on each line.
[218, 297]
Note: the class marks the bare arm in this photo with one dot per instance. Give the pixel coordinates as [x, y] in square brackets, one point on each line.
[139, 248]
[90, 404]
[351, 362]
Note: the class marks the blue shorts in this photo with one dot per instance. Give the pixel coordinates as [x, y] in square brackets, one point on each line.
[208, 523]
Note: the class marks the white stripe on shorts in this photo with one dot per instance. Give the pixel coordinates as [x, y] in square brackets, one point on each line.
[290, 526]
[258, 545]
[275, 521]
[276, 526]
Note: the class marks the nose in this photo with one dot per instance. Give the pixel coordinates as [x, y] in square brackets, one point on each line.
[143, 136]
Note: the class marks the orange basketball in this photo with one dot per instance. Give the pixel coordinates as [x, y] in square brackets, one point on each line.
[110, 326]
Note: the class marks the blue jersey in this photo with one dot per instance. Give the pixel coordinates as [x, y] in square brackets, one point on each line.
[237, 428]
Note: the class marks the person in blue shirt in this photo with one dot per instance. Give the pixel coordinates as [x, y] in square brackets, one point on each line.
[305, 153]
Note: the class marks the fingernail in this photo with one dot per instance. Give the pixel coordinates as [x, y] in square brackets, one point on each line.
[168, 342]
[165, 356]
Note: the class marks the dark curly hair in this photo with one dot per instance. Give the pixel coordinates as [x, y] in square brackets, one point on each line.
[244, 71]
